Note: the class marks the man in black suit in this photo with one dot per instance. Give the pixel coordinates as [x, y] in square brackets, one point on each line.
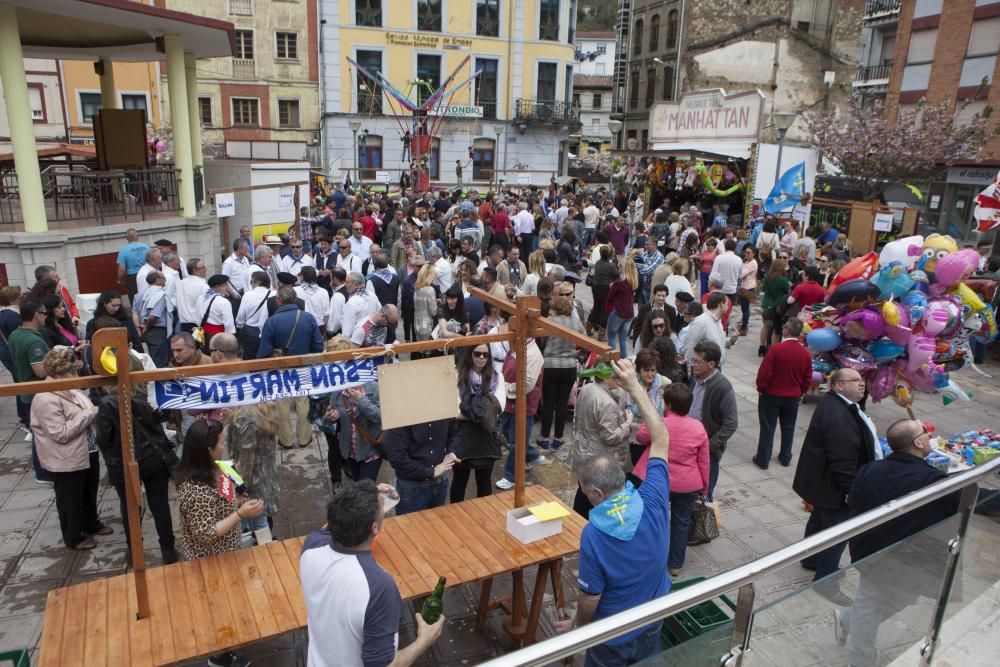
[841, 438]
[894, 579]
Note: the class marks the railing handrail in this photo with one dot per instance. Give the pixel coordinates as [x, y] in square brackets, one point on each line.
[597, 632]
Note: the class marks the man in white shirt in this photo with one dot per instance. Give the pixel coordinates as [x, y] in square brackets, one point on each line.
[346, 259]
[361, 245]
[727, 266]
[217, 306]
[253, 313]
[189, 294]
[165, 246]
[154, 262]
[171, 271]
[296, 259]
[237, 266]
[315, 297]
[524, 227]
[590, 216]
[443, 268]
[707, 326]
[340, 294]
[361, 304]
[265, 260]
[560, 214]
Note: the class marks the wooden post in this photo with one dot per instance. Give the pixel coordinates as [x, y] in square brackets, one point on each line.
[522, 330]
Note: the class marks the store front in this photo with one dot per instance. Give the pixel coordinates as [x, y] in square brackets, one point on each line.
[950, 205]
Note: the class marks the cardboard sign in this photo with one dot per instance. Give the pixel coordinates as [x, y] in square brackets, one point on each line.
[382, 177]
[416, 392]
[883, 222]
[524, 179]
[225, 204]
[286, 197]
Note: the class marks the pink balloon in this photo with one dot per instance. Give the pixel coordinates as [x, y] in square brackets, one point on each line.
[160, 146]
[863, 324]
[943, 318]
[920, 348]
[882, 383]
[956, 267]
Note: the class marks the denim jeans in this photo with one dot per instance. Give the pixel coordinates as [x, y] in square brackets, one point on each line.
[713, 474]
[772, 410]
[618, 332]
[681, 509]
[704, 282]
[643, 292]
[745, 311]
[629, 653]
[507, 424]
[588, 235]
[416, 496]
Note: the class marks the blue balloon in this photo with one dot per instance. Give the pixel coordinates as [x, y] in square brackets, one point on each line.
[823, 340]
[915, 303]
[884, 350]
[892, 281]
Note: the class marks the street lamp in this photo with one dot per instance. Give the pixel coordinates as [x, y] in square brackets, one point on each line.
[355, 125]
[497, 130]
[615, 126]
[782, 121]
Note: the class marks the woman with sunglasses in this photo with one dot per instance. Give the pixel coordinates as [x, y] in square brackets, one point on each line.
[480, 437]
[153, 452]
[656, 324]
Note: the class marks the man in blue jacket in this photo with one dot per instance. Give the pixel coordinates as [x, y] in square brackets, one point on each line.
[290, 332]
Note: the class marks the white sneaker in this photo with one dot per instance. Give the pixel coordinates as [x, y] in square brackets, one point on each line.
[540, 461]
[505, 484]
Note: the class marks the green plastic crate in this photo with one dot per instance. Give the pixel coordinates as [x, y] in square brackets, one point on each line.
[694, 621]
[17, 658]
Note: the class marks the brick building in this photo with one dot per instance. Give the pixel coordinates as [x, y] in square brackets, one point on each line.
[950, 56]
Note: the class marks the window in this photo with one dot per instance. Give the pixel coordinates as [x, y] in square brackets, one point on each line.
[888, 50]
[428, 70]
[654, 33]
[35, 93]
[633, 93]
[368, 96]
[966, 114]
[486, 86]
[286, 46]
[922, 44]
[545, 87]
[595, 125]
[576, 100]
[483, 152]
[548, 20]
[650, 86]
[915, 77]
[134, 102]
[924, 8]
[288, 113]
[598, 102]
[600, 68]
[205, 111]
[244, 44]
[977, 71]
[487, 18]
[369, 154]
[368, 13]
[246, 111]
[637, 38]
[668, 83]
[90, 104]
[672, 29]
[568, 92]
[429, 15]
[645, 140]
[985, 38]
[602, 48]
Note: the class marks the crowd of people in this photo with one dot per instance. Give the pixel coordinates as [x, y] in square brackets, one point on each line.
[664, 284]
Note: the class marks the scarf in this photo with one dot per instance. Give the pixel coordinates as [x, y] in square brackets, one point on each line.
[476, 383]
[384, 274]
[619, 515]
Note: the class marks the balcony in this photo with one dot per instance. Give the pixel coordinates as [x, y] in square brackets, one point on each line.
[244, 68]
[554, 113]
[104, 196]
[241, 7]
[872, 75]
[881, 9]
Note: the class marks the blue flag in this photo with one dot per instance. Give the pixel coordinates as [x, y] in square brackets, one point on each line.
[788, 191]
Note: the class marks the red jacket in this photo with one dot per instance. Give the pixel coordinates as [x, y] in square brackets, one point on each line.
[786, 370]
[620, 299]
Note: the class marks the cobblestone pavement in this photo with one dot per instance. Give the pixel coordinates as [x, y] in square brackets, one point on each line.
[759, 510]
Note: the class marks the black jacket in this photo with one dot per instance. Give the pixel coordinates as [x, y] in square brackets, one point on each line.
[414, 450]
[149, 440]
[893, 477]
[481, 442]
[719, 413]
[837, 444]
[387, 292]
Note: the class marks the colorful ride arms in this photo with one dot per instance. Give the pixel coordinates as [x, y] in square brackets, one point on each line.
[710, 187]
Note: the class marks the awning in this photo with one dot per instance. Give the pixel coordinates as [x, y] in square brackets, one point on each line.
[725, 149]
[59, 150]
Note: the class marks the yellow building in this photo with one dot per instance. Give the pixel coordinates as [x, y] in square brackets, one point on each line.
[514, 117]
[137, 86]
[263, 103]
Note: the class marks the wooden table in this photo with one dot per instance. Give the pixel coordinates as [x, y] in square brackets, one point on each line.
[214, 604]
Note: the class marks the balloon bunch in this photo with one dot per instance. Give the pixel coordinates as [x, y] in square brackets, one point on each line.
[902, 318]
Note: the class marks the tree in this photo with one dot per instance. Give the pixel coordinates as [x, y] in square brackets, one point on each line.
[872, 152]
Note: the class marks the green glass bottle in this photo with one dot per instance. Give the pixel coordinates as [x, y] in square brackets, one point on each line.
[602, 371]
[434, 605]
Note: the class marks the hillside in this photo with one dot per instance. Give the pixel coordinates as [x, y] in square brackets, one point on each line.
[596, 15]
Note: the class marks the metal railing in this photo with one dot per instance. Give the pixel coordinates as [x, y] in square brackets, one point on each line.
[546, 111]
[241, 7]
[597, 632]
[866, 73]
[81, 194]
[880, 8]
[244, 68]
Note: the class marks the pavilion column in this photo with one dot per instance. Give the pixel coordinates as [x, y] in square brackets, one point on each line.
[22, 130]
[194, 115]
[109, 96]
[180, 119]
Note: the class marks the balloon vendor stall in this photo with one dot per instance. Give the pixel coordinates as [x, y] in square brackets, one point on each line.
[903, 319]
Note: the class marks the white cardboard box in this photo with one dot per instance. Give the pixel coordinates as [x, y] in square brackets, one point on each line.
[526, 527]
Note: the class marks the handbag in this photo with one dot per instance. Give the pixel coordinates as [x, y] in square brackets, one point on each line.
[748, 294]
[704, 525]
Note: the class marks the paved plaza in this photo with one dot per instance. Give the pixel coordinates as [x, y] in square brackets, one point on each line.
[760, 513]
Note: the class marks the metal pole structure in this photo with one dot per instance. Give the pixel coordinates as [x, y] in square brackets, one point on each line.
[357, 170]
[781, 147]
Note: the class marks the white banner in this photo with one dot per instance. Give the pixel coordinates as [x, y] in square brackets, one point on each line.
[382, 177]
[286, 197]
[228, 391]
[225, 204]
[883, 222]
[523, 179]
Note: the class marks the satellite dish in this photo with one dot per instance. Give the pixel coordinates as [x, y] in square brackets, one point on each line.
[632, 143]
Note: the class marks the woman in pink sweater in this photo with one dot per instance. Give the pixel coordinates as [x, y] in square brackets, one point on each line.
[688, 467]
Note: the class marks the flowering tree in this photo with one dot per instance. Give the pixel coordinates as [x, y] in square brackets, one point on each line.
[872, 152]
